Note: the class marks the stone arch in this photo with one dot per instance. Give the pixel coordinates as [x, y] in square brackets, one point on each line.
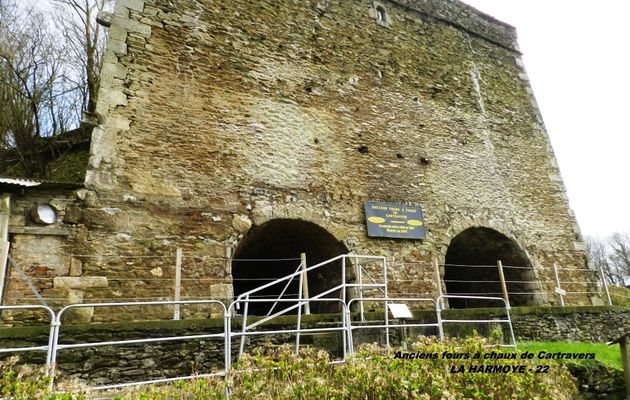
[470, 269]
[284, 239]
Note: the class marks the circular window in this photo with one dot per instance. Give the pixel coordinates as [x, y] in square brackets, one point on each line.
[44, 214]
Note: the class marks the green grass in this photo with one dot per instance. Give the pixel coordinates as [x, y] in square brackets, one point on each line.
[619, 295]
[608, 355]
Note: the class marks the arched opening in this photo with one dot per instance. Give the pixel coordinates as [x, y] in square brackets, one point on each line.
[274, 249]
[380, 14]
[471, 269]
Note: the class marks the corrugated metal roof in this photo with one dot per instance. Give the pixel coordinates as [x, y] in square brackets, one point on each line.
[20, 182]
[16, 183]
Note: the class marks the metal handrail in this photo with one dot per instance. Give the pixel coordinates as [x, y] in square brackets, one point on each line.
[386, 323]
[506, 306]
[285, 289]
[298, 330]
[245, 297]
[312, 267]
[49, 347]
[56, 346]
[346, 327]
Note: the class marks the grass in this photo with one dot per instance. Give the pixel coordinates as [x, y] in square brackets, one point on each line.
[619, 295]
[607, 355]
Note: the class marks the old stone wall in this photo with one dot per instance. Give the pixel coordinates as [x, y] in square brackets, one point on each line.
[44, 252]
[220, 116]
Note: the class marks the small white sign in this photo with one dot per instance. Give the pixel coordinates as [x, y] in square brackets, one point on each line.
[561, 292]
[400, 311]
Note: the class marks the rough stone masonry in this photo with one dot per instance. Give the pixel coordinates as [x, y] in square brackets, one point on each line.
[258, 129]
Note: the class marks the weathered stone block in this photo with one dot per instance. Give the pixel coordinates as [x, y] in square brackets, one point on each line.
[221, 291]
[241, 223]
[132, 25]
[84, 282]
[76, 267]
[136, 5]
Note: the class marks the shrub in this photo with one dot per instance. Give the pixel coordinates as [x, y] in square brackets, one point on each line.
[375, 373]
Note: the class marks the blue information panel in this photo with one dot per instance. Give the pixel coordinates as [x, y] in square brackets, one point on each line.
[394, 220]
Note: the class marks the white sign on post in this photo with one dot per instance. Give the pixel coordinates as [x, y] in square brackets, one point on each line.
[400, 311]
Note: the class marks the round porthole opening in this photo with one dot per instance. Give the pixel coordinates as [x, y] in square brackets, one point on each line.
[44, 214]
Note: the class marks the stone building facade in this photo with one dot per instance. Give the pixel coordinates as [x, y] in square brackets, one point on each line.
[258, 130]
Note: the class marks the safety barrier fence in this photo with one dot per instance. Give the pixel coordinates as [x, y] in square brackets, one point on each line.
[345, 326]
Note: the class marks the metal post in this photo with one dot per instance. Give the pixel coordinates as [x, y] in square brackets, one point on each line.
[299, 316]
[386, 297]
[245, 311]
[558, 288]
[304, 285]
[359, 276]
[438, 314]
[178, 281]
[601, 271]
[503, 284]
[623, 346]
[56, 324]
[343, 279]
[227, 351]
[228, 342]
[343, 293]
[349, 340]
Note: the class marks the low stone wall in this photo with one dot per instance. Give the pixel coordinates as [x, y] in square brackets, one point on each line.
[108, 364]
[586, 324]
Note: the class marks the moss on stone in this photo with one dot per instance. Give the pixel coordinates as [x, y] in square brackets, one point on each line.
[70, 167]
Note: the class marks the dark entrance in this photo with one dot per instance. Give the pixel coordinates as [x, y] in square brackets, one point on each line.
[272, 250]
[471, 269]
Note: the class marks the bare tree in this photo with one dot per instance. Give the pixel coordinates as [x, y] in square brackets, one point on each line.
[49, 75]
[620, 252]
[34, 85]
[85, 40]
[599, 251]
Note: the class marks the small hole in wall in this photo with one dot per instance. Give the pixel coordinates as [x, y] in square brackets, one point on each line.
[381, 16]
[399, 156]
[363, 149]
[316, 141]
[424, 161]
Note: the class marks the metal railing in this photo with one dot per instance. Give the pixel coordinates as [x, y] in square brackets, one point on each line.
[344, 326]
[506, 306]
[49, 348]
[301, 274]
[299, 330]
[56, 346]
[386, 325]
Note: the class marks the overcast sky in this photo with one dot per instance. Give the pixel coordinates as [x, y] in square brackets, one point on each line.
[577, 55]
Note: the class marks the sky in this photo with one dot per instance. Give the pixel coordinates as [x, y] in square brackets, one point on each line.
[577, 56]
